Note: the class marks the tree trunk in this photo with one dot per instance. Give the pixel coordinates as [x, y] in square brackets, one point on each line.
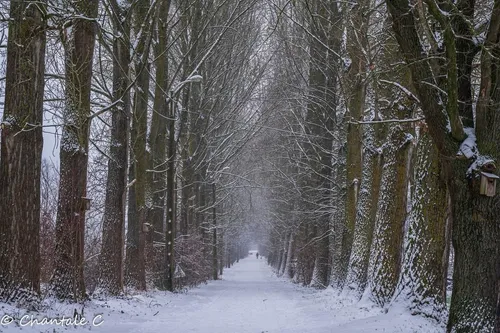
[475, 238]
[186, 215]
[136, 238]
[319, 125]
[476, 218]
[222, 250]
[21, 151]
[339, 197]
[306, 255]
[67, 281]
[191, 124]
[365, 220]
[423, 282]
[111, 261]
[215, 259]
[356, 77]
[390, 219]
[168, 281]
[281, 265]
[289, 266]
[158, 135]
[476, 230]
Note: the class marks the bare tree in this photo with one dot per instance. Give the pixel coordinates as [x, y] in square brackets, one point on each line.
[137, 210]
[78, 40]
[21, 151]
[111, 279]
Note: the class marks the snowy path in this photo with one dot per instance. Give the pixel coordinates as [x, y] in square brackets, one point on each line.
[251, 299]
[248, 299]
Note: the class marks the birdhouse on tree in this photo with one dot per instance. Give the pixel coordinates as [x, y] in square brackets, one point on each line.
[488, 184]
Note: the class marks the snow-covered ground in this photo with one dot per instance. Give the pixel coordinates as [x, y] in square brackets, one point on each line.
[248, 298]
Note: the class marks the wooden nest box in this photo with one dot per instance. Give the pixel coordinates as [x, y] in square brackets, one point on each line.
[488, 180]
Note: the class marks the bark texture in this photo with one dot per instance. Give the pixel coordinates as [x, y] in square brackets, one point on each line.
[390, 219]
[67, 281]
[21, 152]
[137, 214]
[357, 276]
[476, 231]
[423, 279]
[357, 31]
[111, 275]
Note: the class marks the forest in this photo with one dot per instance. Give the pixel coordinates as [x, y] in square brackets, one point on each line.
[148, 145]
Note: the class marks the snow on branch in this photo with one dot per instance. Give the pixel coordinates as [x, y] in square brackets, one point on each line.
[410, 120]
[404, 89]
[468, 148]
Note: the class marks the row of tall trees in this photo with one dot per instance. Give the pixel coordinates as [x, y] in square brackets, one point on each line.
[353, 135]
[153, 101]
[377, 155]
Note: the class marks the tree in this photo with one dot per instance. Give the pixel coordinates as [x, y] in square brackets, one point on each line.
[475, 217]
[391, 215]
[320, 125]
[373, 141]
[21, 151]
[423, 278]
[357, 45]
[78, 40]
[357, 274]
[391, 208]
[111, 264]
[158, 136]
[137, 213]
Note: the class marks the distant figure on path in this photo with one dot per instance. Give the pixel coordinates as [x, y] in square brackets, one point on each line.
[257, 255]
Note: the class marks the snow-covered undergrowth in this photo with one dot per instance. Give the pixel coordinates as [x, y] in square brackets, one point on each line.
[248, 298]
